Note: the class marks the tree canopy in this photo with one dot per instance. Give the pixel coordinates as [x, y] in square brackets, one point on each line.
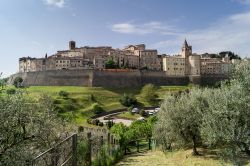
[211, 117]
[27, 127]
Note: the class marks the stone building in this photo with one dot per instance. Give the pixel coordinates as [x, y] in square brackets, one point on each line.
[132, 57]
[191, 64]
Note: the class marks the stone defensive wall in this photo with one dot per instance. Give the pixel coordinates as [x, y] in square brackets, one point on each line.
[106, 78]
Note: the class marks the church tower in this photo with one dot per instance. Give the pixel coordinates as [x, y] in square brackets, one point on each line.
[186, 50]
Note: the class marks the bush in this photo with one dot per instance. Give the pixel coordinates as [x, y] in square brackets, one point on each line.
[143, 113]
[18, 82]
[148, 93]
[109, 124]
[89, 121]
[63, 94]
[95, 122]
[128, 100]
[130, 108]
[97, 109]
[101, 124]
[11, 91]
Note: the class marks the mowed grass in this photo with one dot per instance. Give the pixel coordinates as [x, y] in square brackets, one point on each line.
[78, 104]
[176, 158]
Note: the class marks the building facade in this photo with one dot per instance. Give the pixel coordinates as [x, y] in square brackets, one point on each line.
[132, 57]
[191, 64]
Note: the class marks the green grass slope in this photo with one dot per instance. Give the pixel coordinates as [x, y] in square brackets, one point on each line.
[78, 105]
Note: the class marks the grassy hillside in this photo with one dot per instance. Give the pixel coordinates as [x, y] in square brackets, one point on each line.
[78, 104]
[176, 158]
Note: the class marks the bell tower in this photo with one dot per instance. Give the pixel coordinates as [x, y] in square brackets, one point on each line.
[186, 50]
[72, 45]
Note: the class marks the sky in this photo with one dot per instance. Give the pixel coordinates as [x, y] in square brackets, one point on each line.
[36, 27]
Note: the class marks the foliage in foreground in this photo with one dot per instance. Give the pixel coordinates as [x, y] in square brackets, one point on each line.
[211, 117]
[136, 131]
[148, 93]
[128, 100]
[27, 127]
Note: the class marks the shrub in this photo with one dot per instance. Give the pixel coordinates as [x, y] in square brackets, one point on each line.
[101, 124]
[95, 122]
[97, 109]
[128, 100]
[148, 93]
[63, 94]
[11, 91]
[143, 113]
[89, 121]
[109, 124]
[18, 82]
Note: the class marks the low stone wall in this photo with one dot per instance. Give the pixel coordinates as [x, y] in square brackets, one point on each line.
[107, 78]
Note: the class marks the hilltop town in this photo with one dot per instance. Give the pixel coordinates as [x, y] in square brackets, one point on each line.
[134, 57]
[134, 65]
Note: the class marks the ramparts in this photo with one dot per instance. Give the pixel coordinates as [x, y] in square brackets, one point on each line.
[98, 78]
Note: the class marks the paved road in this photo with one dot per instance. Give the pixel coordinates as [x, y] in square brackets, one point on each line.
[117, 120]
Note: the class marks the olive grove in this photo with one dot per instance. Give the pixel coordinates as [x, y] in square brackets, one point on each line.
[211, 117]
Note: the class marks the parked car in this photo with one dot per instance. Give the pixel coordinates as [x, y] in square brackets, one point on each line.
[135, 110]
[157, 109]
[152, 112]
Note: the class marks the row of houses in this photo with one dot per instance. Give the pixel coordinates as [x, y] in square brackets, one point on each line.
[132, 57]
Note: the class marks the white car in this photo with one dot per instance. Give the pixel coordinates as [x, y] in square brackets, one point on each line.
[157, 109]
[151, 112]
[135, 110]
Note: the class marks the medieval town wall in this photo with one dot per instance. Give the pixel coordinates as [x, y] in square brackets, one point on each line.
[106, 78]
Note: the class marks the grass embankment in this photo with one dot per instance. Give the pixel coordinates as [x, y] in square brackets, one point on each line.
[176, 158]
[78, 105]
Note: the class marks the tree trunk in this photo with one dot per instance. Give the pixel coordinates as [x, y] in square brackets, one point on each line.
[195, 152]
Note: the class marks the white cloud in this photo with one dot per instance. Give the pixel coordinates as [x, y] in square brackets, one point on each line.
[231, 34]
[142, 29]
[56, 3]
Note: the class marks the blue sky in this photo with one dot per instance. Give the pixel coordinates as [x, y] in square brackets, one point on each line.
[36, 27]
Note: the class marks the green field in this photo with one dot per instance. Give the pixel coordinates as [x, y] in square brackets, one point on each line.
[79, 103]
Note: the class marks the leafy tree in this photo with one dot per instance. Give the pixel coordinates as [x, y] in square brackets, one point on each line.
[119, 130]
[110, 64]
[11, 91]
[2, 82]
[230, 54]
[63, 94]
[180, 120]
[28, 128]
[97, 108]
[148, 93]
[228, 118]
[18, 82]
[128, 100]
[213, 117]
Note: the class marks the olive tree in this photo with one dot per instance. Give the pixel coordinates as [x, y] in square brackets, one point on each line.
[27, 127]
[180, 120]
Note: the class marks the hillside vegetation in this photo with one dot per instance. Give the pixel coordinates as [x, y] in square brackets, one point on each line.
[78, 104]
